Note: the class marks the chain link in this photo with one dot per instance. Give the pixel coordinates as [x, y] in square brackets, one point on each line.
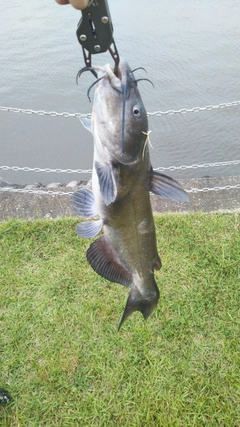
[47, 170]
[155, 113]
[89, 171]
[196, 109]
[41, 192]
[204, 190]
[64, 193]
[44, 113]
[204, 165]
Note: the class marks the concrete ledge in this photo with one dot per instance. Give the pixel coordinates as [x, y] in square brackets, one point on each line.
[32, 206]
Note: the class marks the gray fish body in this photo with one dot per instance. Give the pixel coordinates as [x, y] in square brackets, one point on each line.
[126, 253]
[129, 229]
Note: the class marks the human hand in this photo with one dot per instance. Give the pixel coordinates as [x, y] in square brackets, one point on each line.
[78, 4]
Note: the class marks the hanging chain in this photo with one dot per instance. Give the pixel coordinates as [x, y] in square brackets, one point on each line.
[64, 193]
[47, 170]
[44, 113]
[89, 171]
[155, 113]
[196, 109]
[41, 192]
[205, 190]
[204, 165]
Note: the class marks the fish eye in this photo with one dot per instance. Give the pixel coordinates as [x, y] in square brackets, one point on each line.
[137, 110]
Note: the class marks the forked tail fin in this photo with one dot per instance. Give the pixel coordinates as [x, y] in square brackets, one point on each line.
[138, 302]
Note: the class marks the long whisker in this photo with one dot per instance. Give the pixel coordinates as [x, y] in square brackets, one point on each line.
[82, 71]
[139, 68]
[93, 84]
[147, 141]
[139, 80]
[92, 69]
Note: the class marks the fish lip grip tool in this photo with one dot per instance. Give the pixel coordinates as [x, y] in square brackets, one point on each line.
[95, 33]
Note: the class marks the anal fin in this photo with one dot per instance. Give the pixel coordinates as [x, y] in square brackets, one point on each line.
[105, 261]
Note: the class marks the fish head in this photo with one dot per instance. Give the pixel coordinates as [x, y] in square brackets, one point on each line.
[119, 118]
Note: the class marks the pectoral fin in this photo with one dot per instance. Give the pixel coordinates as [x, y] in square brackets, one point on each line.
[166, 187]
[86, 123]
[106, 181]
[83, 203]
[89, 228]
[105, 261]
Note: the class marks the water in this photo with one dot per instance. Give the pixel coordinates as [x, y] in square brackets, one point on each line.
[189, 49]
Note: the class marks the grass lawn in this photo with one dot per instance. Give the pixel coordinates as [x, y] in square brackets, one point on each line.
[64, 362]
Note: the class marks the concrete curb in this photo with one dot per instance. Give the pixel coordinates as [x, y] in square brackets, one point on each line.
[33, 206]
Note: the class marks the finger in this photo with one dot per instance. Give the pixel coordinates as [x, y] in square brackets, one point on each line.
[79, 4]
[62, 1]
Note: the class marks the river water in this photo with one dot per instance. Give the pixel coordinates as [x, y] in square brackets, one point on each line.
[190, 50]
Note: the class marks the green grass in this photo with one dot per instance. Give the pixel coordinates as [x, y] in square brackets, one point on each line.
[62, 358]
